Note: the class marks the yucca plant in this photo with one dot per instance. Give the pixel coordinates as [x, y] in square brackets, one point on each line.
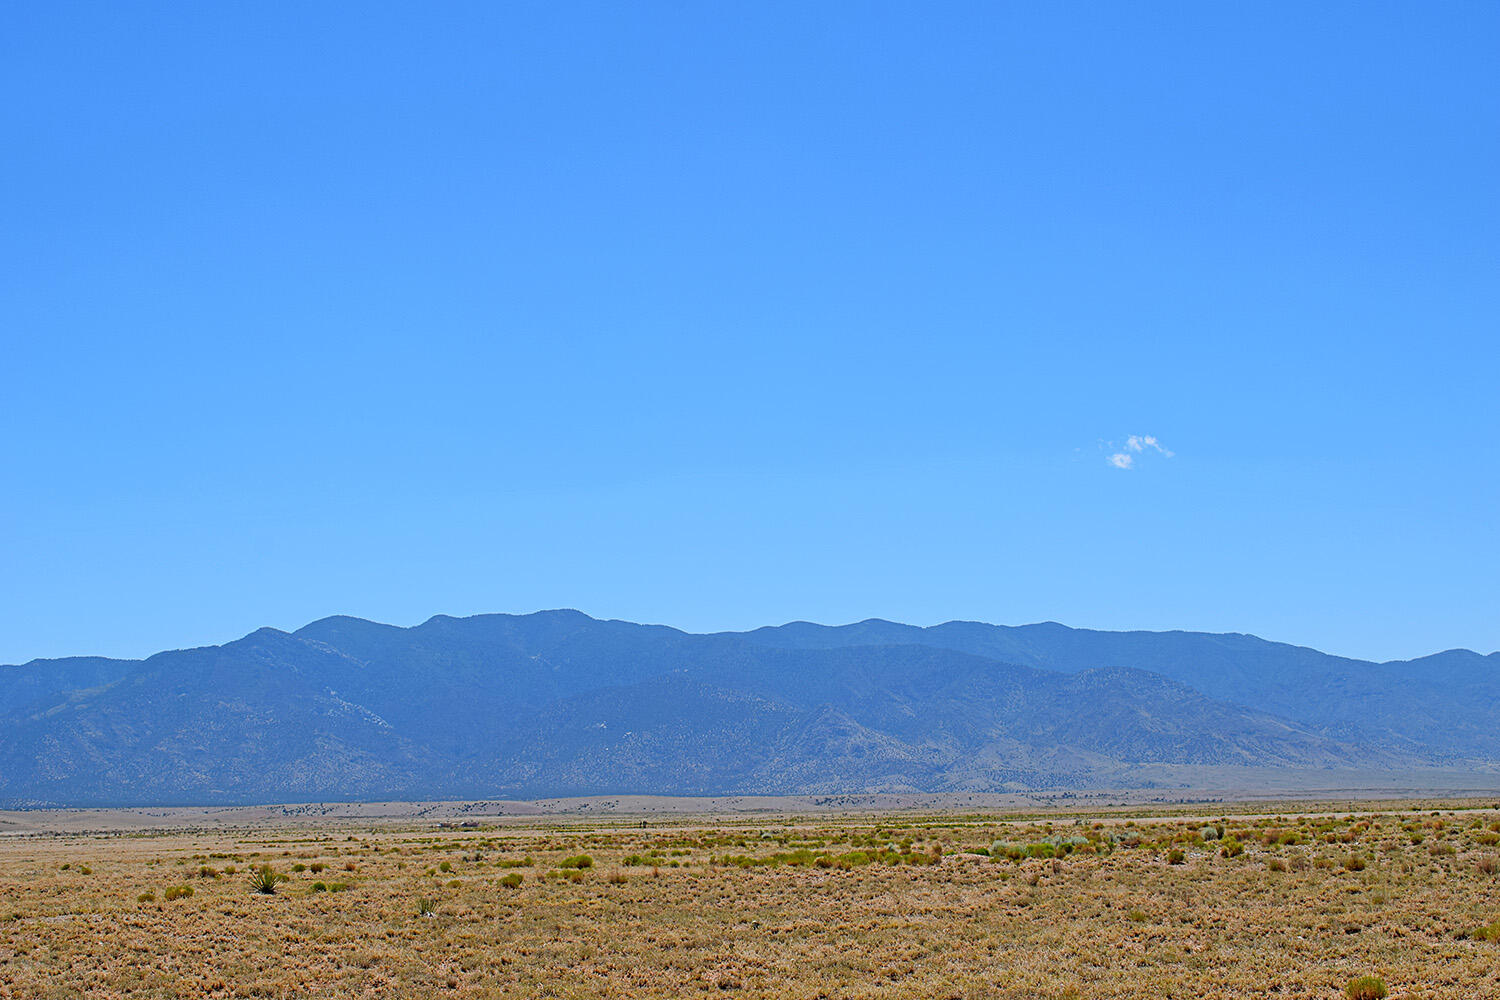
[265, 879]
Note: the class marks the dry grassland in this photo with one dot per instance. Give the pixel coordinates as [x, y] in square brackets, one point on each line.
[874, 906]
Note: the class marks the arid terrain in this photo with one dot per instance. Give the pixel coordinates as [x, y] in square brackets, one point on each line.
[1143, 900]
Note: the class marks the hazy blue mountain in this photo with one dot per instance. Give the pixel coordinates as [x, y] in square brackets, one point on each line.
[41, 680]
[1448, 702]
[560, 703]
[253, 720]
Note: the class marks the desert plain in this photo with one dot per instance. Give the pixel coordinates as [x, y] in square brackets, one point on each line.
[1120, 900]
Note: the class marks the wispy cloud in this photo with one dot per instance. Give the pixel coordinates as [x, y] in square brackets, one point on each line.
[1124, 456]
[1140, 442]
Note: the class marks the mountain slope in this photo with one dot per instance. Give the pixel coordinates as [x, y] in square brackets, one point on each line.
[560, 703]
[1448, 703]
[42, 680]
[255, 719]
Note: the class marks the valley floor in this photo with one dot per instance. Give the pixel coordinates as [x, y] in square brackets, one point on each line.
[1090, 903]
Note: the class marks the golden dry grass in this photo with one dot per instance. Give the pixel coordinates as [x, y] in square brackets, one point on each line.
[689, 908]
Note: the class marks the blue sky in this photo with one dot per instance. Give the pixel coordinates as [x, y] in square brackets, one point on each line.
[721, 315]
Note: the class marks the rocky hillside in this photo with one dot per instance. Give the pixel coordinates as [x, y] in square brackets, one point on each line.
[558, 703]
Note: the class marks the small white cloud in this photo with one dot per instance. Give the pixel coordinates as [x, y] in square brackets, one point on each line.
[1140, 442]
[1123, 456]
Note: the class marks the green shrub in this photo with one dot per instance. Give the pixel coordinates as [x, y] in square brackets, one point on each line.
[315, 867]
[525, 862]
[265, 879]
[446, 866]
[1366, 988]
[1175, 857]
[1231, 847]
[320, 887]
[177, 892]
[338, 887]
[576, 861]
[1354, 863]
[511, 881]
[146, 897]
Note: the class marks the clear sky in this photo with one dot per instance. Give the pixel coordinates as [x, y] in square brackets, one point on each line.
[726, 314]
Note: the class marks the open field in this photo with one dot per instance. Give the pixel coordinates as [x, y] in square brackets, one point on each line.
[1117, 900]
[1150, 786]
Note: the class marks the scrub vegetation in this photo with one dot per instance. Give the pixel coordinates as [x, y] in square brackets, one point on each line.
[1398, 902]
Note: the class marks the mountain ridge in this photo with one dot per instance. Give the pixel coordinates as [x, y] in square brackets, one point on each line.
[557, 702]
[42, 661]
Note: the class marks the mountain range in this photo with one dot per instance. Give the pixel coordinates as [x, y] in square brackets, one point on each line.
[557, 703]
